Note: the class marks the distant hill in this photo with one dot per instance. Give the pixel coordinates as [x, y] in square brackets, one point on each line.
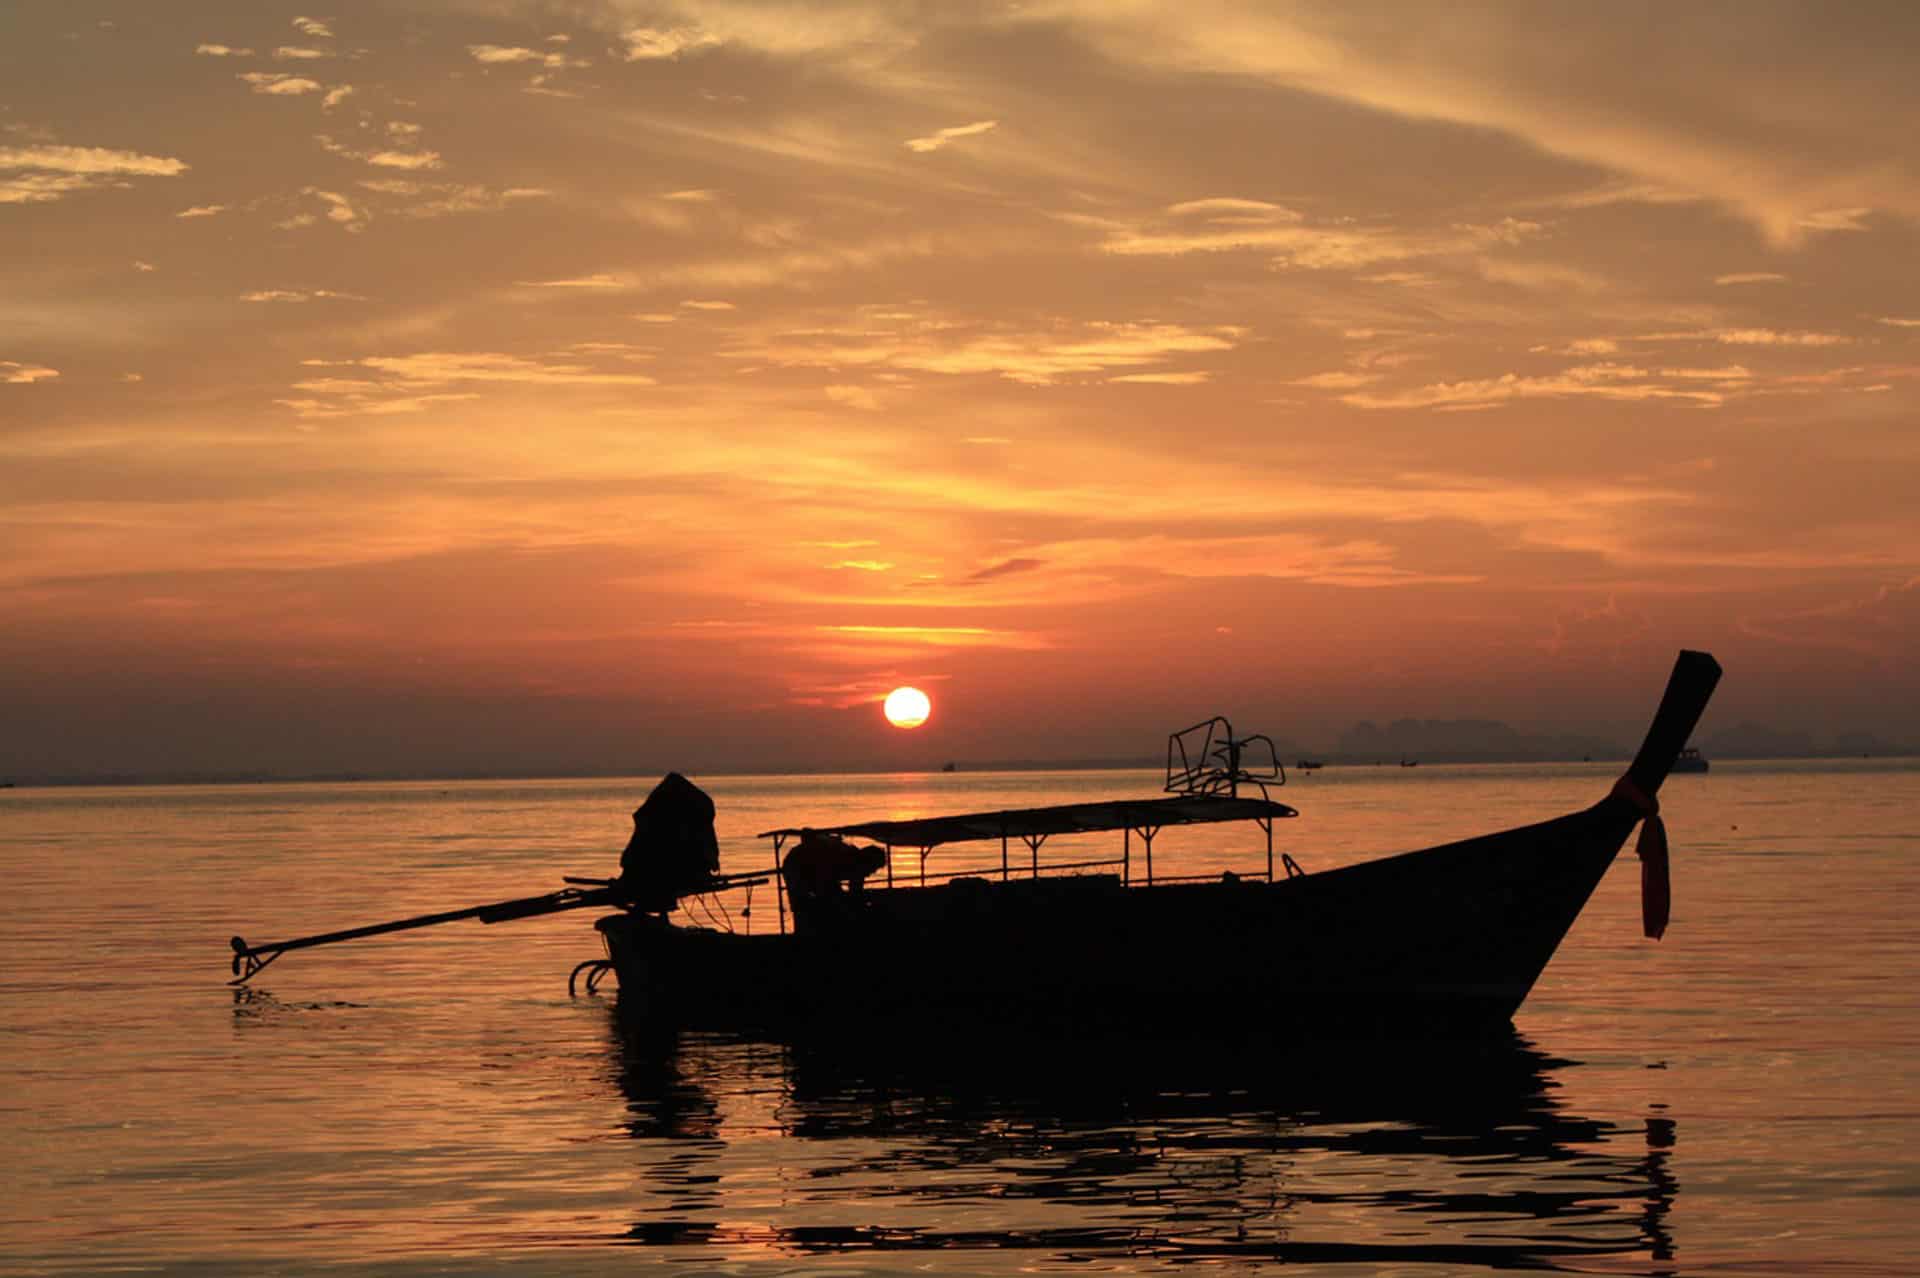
[1749, 740]
[1467, 740]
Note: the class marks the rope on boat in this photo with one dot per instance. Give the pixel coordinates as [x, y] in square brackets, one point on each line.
[1656, 889]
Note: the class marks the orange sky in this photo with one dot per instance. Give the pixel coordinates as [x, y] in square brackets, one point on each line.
[534, 386]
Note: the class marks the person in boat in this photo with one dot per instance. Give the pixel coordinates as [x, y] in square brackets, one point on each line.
[673, 851]
[823, 870]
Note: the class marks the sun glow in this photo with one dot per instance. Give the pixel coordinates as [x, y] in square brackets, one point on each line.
[907, 707]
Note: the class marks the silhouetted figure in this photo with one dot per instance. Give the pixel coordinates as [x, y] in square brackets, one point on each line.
[673, 852]
[824, 870]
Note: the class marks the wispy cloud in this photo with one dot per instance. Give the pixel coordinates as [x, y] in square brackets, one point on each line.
[1620, 382]
[647, 44]
[940, 138]
[409, 161]
[42, 174]
[385, 385]
[600, 279]
[314, 27]
[1193, 378]
[1750, 277]
[1220, 225]
[14, 373]
[859, 397]
[509, 55]
[299, 295]
[280, 84]
[222, 51]
[418, 199]
[1337, 380]
[1036, 359]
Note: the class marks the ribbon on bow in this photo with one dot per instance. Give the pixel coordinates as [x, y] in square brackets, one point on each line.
[1656, 892]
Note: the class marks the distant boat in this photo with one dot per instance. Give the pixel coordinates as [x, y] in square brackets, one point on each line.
[948, 766]
[1308, 765]
[1409, 763]
[1689, 761]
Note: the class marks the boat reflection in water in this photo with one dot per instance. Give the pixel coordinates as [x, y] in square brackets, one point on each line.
[1382, 1154]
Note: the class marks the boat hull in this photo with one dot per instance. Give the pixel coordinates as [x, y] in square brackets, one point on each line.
[1447, 941]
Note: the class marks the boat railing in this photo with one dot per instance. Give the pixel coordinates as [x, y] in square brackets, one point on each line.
[1208, 759]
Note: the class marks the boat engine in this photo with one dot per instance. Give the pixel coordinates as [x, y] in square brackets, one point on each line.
[673, 851]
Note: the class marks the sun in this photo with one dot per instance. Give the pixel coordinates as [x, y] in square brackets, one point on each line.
[907, 707]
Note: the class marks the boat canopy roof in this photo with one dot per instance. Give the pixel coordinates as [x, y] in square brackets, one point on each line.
[1068, 818]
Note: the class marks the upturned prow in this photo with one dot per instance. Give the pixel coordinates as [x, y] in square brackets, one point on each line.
[1689, 688]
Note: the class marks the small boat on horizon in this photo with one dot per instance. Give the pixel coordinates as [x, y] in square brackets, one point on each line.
[1690, 760]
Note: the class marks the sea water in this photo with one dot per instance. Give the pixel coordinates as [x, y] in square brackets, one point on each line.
[1739, 1098]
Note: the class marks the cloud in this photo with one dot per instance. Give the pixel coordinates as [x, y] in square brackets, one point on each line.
[299, 295]
[335, 207]
[335, 96]
[1337, 380]
[1894, 321]
[1774, 337]
[223, 51]
[1621, 382]
[43, 174]
[280, 84]
[202, 210]
[935, 141]
[854, 397]
[508, 55]
[1034, 359]
[1253, 226]
[403, 384]
[1835, 220]
[646, 44]
[90, 161]
[1750, 277]
[1884, 626]
[411, 160]
[598, 280]
[1795, 151]
[697, 305]
[294, 53]
[314, 27]
[1195, 378]
[367, 406]
[13, 373]
[1005, 568]
[443, 199]
[1227, 210]
[439, 368]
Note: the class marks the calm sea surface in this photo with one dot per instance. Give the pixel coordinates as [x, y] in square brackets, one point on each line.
[1740, 1098]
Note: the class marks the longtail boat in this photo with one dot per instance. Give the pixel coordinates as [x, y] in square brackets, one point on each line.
[1446, 941]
